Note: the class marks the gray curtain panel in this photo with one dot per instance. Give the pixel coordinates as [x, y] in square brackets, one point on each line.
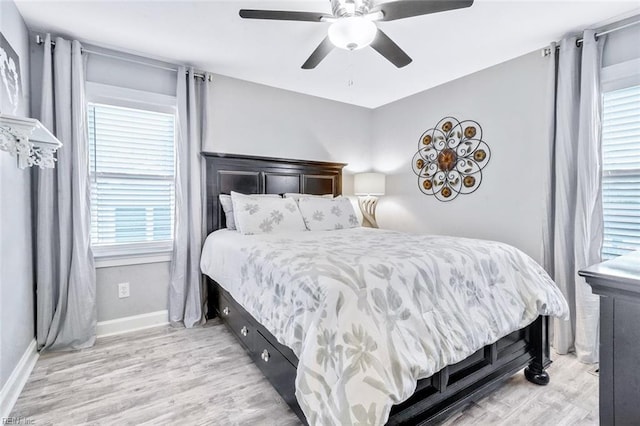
[65, 273]
[186, 292]
[574, 231]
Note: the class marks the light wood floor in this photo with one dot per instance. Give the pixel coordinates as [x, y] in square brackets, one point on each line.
[203, 377]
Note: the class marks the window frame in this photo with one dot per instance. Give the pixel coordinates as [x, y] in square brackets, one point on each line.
[620, 76]
[140, 252]
[617, 77]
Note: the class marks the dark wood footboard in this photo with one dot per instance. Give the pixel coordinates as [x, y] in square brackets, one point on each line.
[436, 397]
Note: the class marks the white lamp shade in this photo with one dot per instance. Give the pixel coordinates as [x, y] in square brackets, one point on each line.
[369, 184]
[352, 33]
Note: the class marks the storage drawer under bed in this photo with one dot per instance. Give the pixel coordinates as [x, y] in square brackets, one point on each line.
[237, 322]
[276, 366]
[278, 370]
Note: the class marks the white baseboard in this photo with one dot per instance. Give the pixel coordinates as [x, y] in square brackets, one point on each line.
[133, 323]
[11, 390]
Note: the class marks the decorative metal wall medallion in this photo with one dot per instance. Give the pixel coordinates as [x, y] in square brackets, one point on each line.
[450, 158]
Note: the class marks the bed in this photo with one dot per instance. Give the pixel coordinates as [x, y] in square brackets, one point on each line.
[447, 389]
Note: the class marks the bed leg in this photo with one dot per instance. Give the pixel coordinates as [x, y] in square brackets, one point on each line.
[535, 375]
[212, 298]
[539, 340]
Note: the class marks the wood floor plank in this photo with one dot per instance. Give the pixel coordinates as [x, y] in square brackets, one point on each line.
[203, 376]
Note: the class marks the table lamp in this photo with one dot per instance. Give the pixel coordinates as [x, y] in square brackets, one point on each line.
[368, 186]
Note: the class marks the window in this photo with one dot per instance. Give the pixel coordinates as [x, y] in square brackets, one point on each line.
[132, 179]
[621, 170]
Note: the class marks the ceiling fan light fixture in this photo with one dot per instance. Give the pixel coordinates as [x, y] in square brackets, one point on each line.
[352, 33]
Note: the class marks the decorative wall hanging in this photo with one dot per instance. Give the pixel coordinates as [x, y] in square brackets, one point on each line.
[10, 83]
[450, 158]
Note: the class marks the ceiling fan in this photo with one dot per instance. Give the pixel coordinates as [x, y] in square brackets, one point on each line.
[353, 24]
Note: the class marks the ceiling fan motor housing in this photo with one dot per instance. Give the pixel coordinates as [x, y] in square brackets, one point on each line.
[344, 8]
[352, 33]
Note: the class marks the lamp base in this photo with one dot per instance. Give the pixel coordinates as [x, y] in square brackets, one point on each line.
[368, 209]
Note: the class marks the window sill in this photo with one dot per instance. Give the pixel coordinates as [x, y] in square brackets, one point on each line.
[108, 261]
[132, 254]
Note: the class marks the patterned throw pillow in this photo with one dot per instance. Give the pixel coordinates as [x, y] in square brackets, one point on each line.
[325, 214]
[227, 207]
[264, 215]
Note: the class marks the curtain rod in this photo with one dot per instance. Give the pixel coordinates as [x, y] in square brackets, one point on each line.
[547, 50]
[202, 76]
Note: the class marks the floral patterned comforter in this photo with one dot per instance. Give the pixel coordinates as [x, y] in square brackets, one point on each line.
[369, 312]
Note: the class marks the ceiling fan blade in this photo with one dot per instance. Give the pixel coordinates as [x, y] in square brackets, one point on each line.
[319, 54]
[391, 51]
[408, 8]
[282, 15]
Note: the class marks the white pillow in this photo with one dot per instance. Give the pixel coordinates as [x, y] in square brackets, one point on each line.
[264, 215]
[227, 207]
[325, 214]
[296, 196]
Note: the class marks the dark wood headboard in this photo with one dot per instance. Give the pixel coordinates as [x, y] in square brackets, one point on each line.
[264, 175]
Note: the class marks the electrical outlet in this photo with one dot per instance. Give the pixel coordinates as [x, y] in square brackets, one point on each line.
[123, 290]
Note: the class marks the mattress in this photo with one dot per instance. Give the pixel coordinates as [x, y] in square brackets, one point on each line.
[369, 312]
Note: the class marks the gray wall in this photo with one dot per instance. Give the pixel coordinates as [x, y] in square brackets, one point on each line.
[249, 118]
[509, 101]
[16, 271]
[622, 46]
[148, 289]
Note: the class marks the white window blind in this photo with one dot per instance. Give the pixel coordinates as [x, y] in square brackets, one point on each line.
[621, 171]
[132, 176]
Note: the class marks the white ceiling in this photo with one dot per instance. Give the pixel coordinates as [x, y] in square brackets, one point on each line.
[211, 36]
